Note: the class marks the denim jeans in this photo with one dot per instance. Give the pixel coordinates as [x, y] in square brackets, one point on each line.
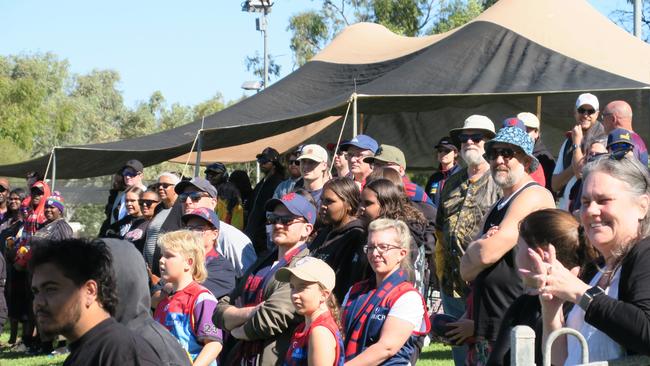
[455, 307]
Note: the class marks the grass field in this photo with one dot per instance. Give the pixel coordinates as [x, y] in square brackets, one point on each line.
[435, 355]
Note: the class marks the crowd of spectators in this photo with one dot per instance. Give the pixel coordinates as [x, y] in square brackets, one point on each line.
[336, 262]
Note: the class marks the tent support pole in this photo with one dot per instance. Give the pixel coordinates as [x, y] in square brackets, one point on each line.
[199, 146]
[361, 118]
[53, 169]
[539, 107]
[354, 115]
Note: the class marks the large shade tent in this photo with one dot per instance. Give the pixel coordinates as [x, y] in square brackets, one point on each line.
[519, 55]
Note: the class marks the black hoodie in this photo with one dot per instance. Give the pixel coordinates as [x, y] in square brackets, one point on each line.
[134, 302]
[342, 249]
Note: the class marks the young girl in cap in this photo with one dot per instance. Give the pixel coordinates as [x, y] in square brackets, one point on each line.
[318, 340]
[187, 311]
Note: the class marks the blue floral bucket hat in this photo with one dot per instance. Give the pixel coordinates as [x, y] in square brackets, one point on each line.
[513, 132]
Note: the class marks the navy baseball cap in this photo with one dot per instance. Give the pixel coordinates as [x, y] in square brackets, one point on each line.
[296, 204]
[363, 142]
[202, 213]
[199, 183]
[620, 135]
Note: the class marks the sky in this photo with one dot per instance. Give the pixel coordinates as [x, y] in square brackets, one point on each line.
[189, 50]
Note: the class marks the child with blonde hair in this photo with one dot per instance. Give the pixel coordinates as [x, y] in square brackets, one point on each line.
[186, 311]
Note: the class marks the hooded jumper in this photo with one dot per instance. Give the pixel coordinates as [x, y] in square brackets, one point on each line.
[134, 303]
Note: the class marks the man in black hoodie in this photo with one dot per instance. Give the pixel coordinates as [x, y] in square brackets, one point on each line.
[133, 307]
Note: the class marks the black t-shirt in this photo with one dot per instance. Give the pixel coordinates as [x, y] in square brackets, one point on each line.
[497, 286]
[111, 343]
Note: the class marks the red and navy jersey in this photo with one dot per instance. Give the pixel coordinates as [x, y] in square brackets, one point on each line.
[297, 355]
[187, 314]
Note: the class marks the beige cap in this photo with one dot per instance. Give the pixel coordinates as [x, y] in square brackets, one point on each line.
[309, 269]
[313, 152]
[475, 122]
[388, 154]
[530, 120]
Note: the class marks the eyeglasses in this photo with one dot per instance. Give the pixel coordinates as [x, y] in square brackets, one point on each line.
[194, 196]
[294, 162]
[587, 111]
[165, 185]
[341, 153]
[273, 219]
[359, 155]
[506, 153]
[475, 137]
[130, 173]
[381, 248]
[148, 202]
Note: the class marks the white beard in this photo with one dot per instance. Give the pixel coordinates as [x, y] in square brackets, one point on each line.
[472, 157]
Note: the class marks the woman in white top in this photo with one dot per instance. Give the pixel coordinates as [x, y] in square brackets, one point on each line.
[613, 309]
[384, 316]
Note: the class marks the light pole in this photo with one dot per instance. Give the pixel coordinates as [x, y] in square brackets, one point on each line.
[264, 7]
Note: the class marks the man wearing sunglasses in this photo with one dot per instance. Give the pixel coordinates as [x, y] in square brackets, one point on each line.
[489, 262]
[259, 313]
[231, 243]
[269, 162]
[295, 177]
[585, 129]
[466, 196]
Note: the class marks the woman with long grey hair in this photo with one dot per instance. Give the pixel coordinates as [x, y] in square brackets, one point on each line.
[612, 309]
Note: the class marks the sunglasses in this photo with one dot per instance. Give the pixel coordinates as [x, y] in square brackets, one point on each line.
[506, 153]
[273, 219]
[444, 151]
[587, 111]
[36, 192]
[148, 203]
[2, 189]
[194, 196]
[294, 162]
[129, 173]
[165, 185]
[475, 137]
[263, 160]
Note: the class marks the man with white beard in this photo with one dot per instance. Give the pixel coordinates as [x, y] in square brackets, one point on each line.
[465, 198]
[489, 262]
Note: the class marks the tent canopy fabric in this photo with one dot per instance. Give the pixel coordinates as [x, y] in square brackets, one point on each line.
[519, 55]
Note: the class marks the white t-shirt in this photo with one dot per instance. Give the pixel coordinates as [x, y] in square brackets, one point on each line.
[601, 347]
[236, 247]
[563, 203]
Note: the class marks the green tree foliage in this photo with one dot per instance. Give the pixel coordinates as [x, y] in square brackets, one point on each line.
[456, 13]
[255, 64]
[310, 34]
[43, 104]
